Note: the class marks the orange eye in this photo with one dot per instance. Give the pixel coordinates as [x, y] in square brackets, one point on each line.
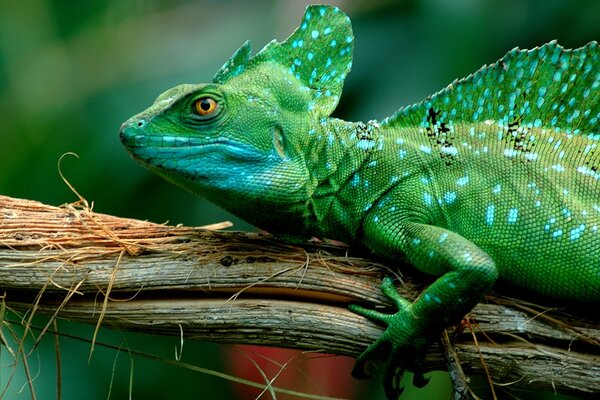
[205, 106]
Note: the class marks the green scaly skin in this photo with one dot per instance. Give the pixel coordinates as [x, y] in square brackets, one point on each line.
[496, 176]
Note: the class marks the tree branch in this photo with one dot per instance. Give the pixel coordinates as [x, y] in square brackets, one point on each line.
[234, 287]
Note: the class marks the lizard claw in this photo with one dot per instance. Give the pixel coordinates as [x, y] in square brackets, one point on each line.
[419, 380]
[391, 381]
[358, 371]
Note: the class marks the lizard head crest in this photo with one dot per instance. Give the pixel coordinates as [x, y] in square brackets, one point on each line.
[315, 58]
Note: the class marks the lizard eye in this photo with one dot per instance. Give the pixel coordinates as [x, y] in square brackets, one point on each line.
[205, 106]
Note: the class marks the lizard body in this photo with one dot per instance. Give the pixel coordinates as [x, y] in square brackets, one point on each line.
[496, 176]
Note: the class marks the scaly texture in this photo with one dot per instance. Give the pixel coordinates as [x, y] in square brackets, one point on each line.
[496, 176]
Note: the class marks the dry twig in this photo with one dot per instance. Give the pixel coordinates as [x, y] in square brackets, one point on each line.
[234, 287]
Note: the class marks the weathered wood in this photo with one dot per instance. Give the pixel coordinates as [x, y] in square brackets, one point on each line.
[233, 287]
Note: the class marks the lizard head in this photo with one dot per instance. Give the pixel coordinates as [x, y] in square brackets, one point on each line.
[242, 140]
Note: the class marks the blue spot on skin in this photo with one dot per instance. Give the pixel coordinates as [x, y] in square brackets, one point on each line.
[540, 102]
[310, 56]
[513, 214]
[557, 233]
[489, 214]
[330, 138]
[577, 232]
[314, 34]
[462, 181]
[327, 30]
[355, 180]
[497, 189]
[333, 43]
[428, 199]
[557, 76]
[450, 197]
[467, 257]
[425, 149]
[443, 237]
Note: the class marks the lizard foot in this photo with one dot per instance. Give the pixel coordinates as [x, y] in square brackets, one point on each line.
[405, 336]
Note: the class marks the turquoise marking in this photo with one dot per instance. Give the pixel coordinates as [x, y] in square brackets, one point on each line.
[427, 199]
[489, 214]
[557, 233]
[450, 197]
[462, 181]
[577, 232]
[513, 214]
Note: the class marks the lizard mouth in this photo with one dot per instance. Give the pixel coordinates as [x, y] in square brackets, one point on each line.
[153, 147]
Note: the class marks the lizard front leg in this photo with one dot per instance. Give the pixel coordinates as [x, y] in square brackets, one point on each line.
[466, 274]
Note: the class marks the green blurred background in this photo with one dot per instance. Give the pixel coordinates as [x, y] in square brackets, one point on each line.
[72, 71]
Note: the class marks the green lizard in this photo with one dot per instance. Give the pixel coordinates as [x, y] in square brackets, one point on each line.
[496, 176]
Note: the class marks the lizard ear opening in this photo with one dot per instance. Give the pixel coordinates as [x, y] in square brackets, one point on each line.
[235, 65]
[318, 54]
[279, 142]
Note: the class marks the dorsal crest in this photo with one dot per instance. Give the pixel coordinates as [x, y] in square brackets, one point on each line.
[318, 54]
[547, 87]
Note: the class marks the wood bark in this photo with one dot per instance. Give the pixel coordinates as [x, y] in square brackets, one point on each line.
[234, 287]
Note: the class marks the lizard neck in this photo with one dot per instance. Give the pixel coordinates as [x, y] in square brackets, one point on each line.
[356, 167]
[336, 153]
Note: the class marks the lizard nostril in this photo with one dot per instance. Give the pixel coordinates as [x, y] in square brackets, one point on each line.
[140, 123]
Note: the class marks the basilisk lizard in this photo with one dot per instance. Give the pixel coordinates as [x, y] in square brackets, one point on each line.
[497, 176]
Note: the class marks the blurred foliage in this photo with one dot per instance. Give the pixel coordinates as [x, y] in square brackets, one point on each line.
[72, 71]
